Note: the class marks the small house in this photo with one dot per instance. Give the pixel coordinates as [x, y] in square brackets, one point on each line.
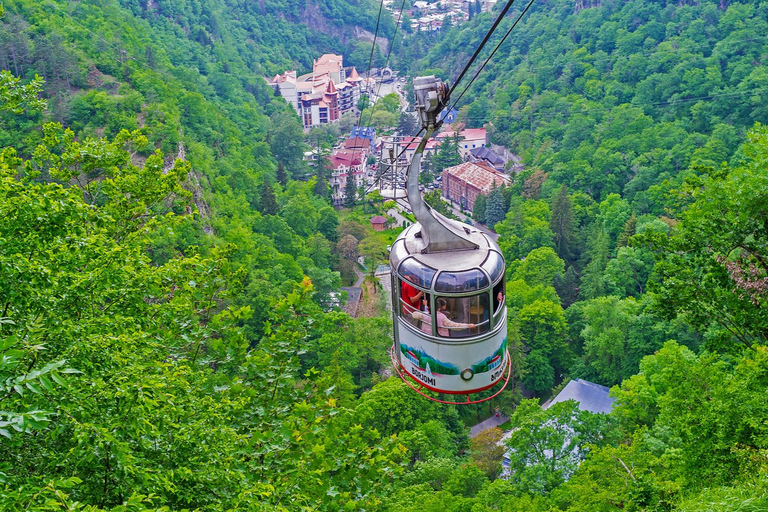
[379, 223]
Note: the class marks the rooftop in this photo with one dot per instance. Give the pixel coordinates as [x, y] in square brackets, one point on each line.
[346, 158]
[479, 176]
[357, 143]
[590, 396]
[354, 76]
[487, 154]
[328, 63]
[468, 134]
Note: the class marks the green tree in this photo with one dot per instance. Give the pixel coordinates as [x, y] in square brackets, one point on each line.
[287, 142]
[435, 199]
[373, 249]
[547, 445]
[407, 124]
[629, 229]
[714, 267]
[328, 223]
[542, 328]
[350, 191]
[567, 286]
[592, 279]
[628, 272]
[563, 225]
[268, 203]
[281, 176]
[363, 103]
[479, 209]
[494, 210]
[487, 452]
[540, 267]
[301, 214]
[447, 154]
[539, 374]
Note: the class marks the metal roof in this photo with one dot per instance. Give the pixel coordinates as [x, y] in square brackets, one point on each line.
[590, 396]
[487, 154]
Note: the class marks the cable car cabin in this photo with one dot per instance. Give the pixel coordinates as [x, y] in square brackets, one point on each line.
[450, 318]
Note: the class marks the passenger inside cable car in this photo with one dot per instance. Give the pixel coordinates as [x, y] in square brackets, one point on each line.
[446, 327]
[410, 297]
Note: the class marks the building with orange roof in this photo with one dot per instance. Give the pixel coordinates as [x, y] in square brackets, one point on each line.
[320, 106]
[464, 182]
[324, 95]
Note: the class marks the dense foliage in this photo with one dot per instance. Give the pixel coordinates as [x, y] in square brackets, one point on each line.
[170, 336]
[638, 219]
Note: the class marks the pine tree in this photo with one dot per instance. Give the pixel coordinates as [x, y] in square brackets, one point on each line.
[268, 202]
[406, 125]
[629, 229]
[592, 281]
[282, 176]
[321, 187]
[563, 225]
[350, 191]
[447, 155]
[494, 209]
[428, 163]
[478, 210]
[567, 287]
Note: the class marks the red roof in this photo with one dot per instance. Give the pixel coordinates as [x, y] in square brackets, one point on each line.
[378, 219]
[346, 158]
[357, 143]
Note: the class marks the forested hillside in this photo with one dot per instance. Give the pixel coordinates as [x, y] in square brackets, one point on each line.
[169, 338]
[635, 238]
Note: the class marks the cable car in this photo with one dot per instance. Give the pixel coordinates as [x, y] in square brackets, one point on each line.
[448, 294]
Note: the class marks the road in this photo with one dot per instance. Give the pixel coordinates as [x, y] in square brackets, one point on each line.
[354, 293]
[382, 89]
[493, 421]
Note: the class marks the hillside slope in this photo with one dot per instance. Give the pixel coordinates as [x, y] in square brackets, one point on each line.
[617, 97]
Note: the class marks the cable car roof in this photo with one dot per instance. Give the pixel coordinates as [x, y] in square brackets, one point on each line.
[487, 256]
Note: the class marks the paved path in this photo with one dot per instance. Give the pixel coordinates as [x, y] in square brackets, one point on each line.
[354, 293]
[385, 279]
[395, 214]
[491, 422]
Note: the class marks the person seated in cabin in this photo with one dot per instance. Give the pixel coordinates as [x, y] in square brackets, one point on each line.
[409, 296]
[444, 323]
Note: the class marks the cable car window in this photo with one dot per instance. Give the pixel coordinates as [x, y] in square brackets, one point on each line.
[462, 317]
[494, 265]
[466, 281]
[413, 303]
[398, 253]
[416, 272]
[498, 296]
